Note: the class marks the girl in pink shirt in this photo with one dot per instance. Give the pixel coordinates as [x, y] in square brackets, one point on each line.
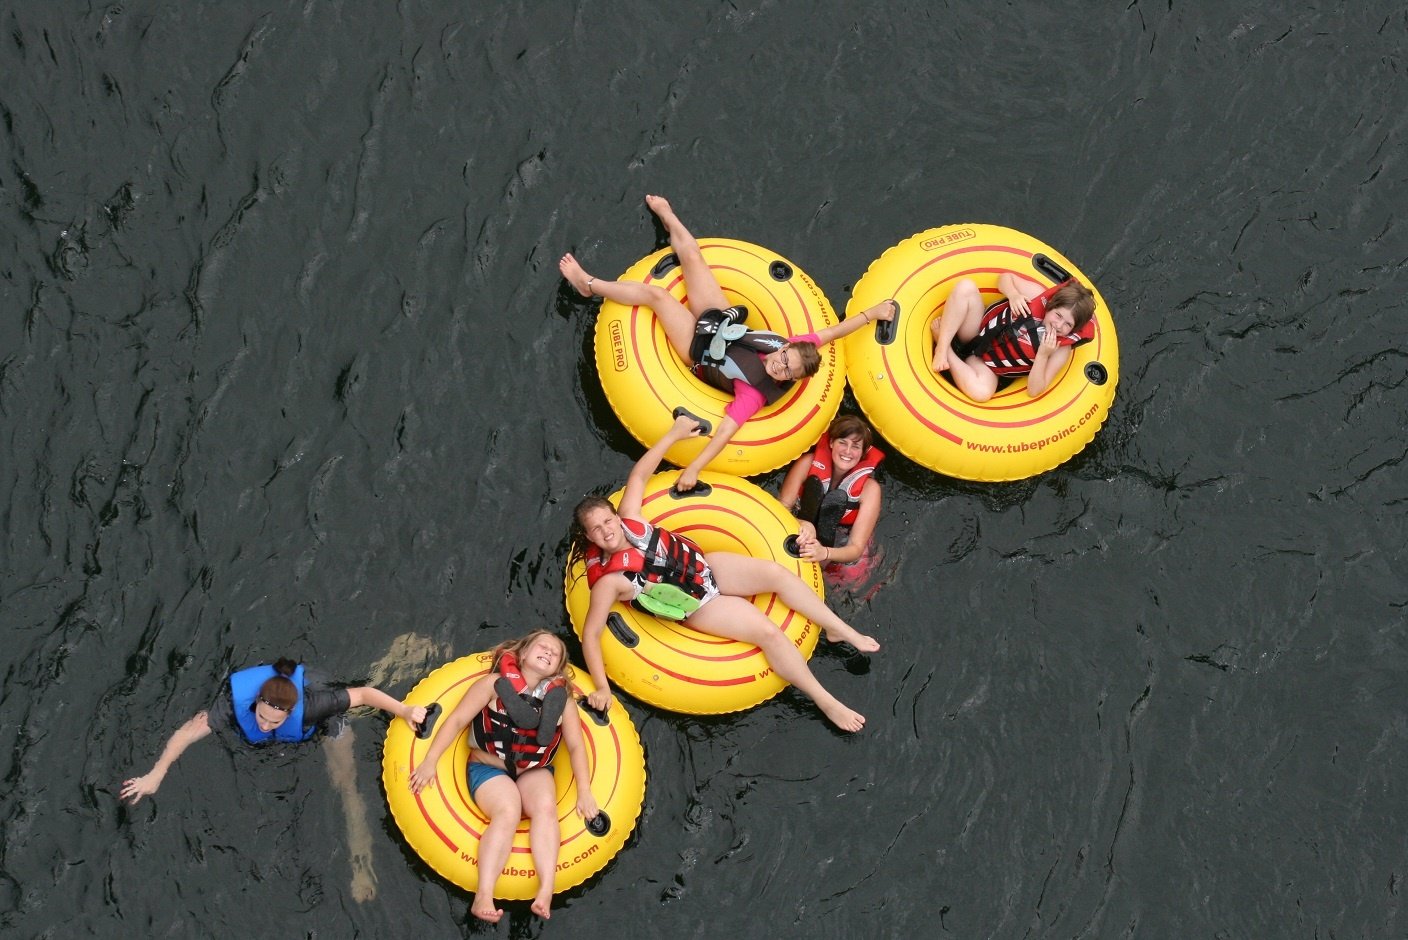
[779, 361]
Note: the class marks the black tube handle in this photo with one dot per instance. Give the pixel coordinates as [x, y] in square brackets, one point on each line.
[665, 265]
[427, 727]
[617, 625]
[705, 428]
[887, 330]
[600, 824]
[1053, 271]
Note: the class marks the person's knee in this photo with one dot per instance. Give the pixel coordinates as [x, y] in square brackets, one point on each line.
[505, 808]
[777, 576]
[754, 627]
[772, 641]
[540, 805]
[656, 295]
[981, 388]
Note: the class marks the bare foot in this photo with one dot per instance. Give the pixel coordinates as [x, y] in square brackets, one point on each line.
[661, 207]
[866, 644]
[846, 719]
[575, 276]
[542, 904]
[363, 879]
[486, 911]
[941, 350]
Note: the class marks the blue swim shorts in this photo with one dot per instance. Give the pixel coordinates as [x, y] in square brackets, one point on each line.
[479, 774]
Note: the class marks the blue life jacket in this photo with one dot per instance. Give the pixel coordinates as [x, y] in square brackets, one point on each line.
[244, 691]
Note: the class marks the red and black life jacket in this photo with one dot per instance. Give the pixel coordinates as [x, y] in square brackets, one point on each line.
[1007, 344]
[836, 507]
[666, 558]
[521, 726]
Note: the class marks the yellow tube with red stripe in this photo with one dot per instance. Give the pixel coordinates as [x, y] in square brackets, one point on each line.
[674, 666]
[645, 380]
[923, 414]
[443, 825]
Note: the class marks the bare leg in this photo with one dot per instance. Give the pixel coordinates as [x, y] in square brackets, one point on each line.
[539, 795]
[500, 800]
[973, 378]
[674, 316]
[743, 576]
[961, 317]
[702, 289]
[736, 619]
[342, 772]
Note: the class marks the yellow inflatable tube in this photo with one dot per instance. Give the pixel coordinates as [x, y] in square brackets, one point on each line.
[645, 380]
[443, 825]
[672, 666]
[925, 416]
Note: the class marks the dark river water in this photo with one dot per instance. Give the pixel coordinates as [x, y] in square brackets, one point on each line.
[286, 367]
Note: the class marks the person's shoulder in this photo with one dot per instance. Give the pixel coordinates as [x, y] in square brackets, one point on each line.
[315, 678]
[320, 705]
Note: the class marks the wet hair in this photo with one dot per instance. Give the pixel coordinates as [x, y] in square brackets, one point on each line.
[808, 356]
[279, 691]
[577, 533]
[851, 426]
[1078, 298]
[519, 646]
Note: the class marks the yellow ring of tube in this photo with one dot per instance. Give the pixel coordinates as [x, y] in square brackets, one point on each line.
[679, 668]
[926, 417]
[443, 825]
[645, 380]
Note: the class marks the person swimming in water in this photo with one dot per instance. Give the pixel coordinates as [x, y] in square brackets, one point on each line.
[836, 498]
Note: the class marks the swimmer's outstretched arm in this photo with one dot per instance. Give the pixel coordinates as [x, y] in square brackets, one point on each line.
[186, 735]
[412, 715]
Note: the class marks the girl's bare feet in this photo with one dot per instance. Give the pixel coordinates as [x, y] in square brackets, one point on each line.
[941, 349]
[542, 904]
[486, 911]
[846, 719]
[661, 207]
[573, 273]
[363, 878]
[866, 644]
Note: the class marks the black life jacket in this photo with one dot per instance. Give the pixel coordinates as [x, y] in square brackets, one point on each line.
[743, 352]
